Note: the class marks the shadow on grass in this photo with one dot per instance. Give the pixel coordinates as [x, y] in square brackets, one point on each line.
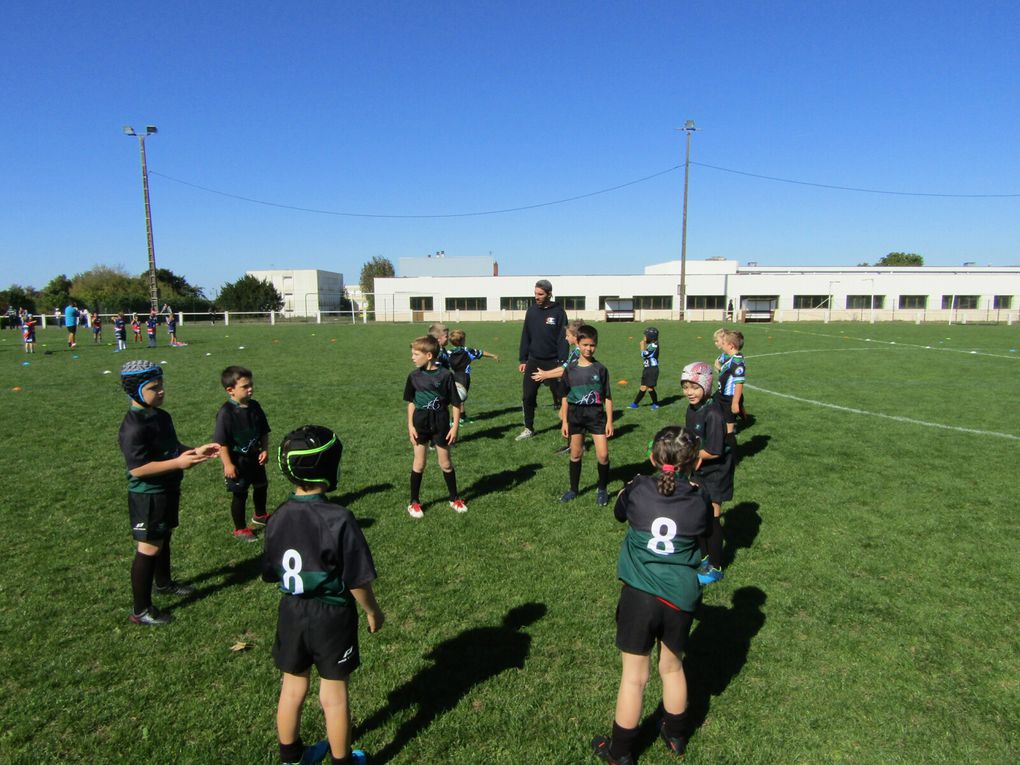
[351, 497]
[741, 524]
[459, 664]
[716, 653]
[234, 574]
[492, 413]
[745, 422]
[495, 432]
[751, 447]
[505, 480]
[670, 400]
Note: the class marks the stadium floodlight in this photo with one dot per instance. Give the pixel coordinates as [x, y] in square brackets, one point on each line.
[687, 128]
[153, 286]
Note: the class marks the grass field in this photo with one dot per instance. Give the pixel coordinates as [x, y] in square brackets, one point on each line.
[870, 611]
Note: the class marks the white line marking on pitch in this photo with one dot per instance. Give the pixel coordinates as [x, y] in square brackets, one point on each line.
[814, 350]
[903, 345]
[897, 418]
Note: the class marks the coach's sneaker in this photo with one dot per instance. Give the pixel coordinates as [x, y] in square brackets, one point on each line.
[260, 520]
[458, 506]
[568, 496]
[315, 753]
[600, 748]
[414, 510]
[675, 744]
[175, 588]
[602, 498]
[708, 574]
[633, 405]
[151, 617]
[244, 535]
[524, 435]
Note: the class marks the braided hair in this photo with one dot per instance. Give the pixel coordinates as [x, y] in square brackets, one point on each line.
[675, 450]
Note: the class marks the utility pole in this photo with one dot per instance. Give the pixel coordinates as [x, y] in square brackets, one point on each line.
[687, 128]
[153, 287]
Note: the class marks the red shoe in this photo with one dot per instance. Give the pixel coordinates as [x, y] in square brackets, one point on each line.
[245, 535]
[414, 510]
[260, 520]
[459, 506]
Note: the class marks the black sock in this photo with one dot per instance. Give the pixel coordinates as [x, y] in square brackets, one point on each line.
[258, 497]
[237, 502]
[415, 486]
[451, 484]
[339, 760]
[654, 395]
[575, 475]
[603, 475]
[622, 741]
[715, 543]
[640, 395]
[162, 575]
[292, 752]
[141, 580]
[675, 725]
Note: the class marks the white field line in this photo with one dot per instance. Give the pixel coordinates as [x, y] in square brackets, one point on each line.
[1013, 357]
[815, 350]
[896, 418]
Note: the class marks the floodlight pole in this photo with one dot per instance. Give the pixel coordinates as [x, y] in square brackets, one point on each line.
[687, 128]
[153, 286]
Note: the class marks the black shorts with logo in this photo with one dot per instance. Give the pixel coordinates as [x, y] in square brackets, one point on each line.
[650, 377]
[310, 631]
[641, 619]
[586, 419]
[153, 516]
[432, 425]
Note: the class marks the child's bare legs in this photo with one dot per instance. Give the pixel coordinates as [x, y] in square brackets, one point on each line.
[602, 455]
[576, 453]
[449, 474]
[630, 698]
[293, 690]
[674, 682]
[333, 697]
[421, 452]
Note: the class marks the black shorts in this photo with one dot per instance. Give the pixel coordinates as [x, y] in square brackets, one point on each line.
[249, 473]
[73, 329]
[432, 425]
[309, 631]
[650, 377]
[641, 619]
[716, 478]
[153, 516]
[726, 404]
[586, 419]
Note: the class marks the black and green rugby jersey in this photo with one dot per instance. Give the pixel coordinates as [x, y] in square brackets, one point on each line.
[147, 435]
[660, 553]
[431, 389]
[709, 423]
[588, 386]
[240, 428]
[315, 549]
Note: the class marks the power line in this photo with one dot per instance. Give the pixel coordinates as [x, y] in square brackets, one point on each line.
[852, 188]
[444, 215]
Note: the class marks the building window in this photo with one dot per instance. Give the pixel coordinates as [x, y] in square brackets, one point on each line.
[810, 301]
[604, 298]
[571, 303]
[913, 301]
[1003, 301]
[516, 303]
[465, 304]
[421, 303]
[653, 302]
[959, 301]
[707, 302]
[863, 301]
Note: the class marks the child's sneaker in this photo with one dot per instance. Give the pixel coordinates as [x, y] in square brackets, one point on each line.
[632, 405]
[459, 506]
[314, 754]
[676, 745]
[175, 588]
[654, 406]
[260, 520]
[600, 748]
[564, 449]
[414, 510]
[708, 574]
[359, 757]
[151, 617]
[568, 496]
[524, 435]
[602, 498]
[245, 535]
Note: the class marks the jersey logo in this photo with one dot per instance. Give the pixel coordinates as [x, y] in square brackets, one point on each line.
[551, 320]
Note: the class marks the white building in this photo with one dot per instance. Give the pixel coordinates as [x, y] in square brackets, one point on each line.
[305, 291]
[716, 286]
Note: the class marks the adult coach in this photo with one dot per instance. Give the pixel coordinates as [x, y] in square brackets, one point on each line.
[71, 323]
[543, 346]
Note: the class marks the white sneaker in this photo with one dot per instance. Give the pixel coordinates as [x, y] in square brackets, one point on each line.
[414, 510]
[459, 506]
[525, 434]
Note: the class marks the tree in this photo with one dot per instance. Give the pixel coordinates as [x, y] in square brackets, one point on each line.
[17, 297]
[901, 259]
[176, 292]
[249, 294]
[55, 294]
[377, 266]
[107, 289]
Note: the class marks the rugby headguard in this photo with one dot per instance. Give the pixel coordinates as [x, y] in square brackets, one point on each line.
[311, 454]
[651, 334]
[136, 374]
[699, 372]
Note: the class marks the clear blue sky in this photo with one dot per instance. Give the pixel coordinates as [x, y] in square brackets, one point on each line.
[414, 108]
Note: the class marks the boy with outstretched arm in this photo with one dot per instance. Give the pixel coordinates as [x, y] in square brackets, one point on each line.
[460, 364]
[156, 461]
[318, 555]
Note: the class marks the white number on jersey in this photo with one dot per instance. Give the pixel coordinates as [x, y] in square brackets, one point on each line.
[292, 581]
[663, 531]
